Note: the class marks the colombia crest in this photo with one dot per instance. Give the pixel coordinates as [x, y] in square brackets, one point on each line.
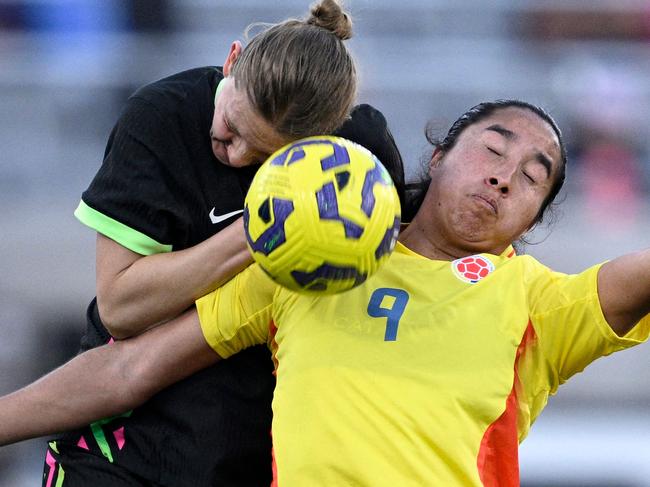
[472, 268]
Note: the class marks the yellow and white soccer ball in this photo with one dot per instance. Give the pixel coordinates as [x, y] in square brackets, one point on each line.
[321, 215]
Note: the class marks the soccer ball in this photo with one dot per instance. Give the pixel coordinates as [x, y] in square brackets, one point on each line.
[321, 215]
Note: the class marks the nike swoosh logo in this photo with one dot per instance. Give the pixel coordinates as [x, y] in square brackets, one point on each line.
[219, 218]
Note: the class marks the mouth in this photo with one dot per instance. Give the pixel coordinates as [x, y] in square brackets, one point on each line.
[220, 150]
[488, 202]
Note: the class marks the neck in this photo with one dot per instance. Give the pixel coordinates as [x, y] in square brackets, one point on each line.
[416, 237]
[423, 236]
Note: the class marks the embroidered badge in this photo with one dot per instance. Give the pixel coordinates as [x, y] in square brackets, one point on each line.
[472, 269]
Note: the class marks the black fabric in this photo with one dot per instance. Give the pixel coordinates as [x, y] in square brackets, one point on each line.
[160, 177]
[79, 468]
[367, 126]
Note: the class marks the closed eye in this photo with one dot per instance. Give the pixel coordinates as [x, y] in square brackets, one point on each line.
[529, 177]
[493, 151]
[229, 125]
[225, 121]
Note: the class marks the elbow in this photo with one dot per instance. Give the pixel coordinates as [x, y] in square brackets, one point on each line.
[114, 320]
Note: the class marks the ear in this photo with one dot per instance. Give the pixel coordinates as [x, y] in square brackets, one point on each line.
[436, 157]
[233, 54]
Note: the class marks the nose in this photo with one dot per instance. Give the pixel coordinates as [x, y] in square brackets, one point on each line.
[225, 137]
[222, 134]
[501, 184]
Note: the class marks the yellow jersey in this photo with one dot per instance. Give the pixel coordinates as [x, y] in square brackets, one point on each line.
[429, 373]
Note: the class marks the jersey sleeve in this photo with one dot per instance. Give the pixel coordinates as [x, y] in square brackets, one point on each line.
[569, 322]
[132, 198]
[238, 314]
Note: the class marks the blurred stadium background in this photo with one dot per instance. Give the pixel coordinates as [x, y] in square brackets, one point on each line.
[67, 66]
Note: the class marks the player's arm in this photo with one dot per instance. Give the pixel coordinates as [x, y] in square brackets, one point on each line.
[136, 292]
[106, 381]
[624, 290]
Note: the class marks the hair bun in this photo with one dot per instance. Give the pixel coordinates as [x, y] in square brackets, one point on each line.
[329, 15]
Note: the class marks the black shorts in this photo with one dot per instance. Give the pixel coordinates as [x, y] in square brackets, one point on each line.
[211, 429]
[69, 465]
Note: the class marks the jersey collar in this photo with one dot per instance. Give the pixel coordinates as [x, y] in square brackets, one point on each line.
[508, 253]
[220, 86]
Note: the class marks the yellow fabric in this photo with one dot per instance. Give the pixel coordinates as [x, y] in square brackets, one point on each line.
[351, 408]
[243, 307]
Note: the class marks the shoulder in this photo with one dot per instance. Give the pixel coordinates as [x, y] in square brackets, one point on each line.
[526, 265]
[184, 98]
[174, 91]
[367, 126]
[181, 81]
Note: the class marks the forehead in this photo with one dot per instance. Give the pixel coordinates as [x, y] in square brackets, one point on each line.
[524, 128]
[249, 124]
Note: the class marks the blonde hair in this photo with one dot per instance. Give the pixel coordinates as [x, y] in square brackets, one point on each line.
[299, 75]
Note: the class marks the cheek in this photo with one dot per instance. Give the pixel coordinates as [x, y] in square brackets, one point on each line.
[239, 155]
[526, 213]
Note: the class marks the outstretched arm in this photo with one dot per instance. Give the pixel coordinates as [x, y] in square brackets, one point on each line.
[624, 290]
[106, 381]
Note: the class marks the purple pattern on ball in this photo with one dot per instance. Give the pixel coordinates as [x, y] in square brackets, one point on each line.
[387, 243]
[338, 158]
[375, 175]
[328, 210]
[297, 154]
[317, 279]
[273, 236]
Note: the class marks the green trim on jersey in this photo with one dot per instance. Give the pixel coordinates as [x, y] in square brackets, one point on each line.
[122, 234]
[219, 90]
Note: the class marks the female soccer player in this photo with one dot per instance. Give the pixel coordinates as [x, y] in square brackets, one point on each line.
[430, 372]
[176, 169]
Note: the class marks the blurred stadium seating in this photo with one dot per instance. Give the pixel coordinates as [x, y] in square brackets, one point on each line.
[66, 67]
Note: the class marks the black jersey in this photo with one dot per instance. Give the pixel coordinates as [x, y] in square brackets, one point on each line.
[159, 177]
[159, 189]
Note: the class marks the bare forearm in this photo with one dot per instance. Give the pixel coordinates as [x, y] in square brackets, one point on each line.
[63, 399]
[624, 290]
[159, 287]
[106, 381]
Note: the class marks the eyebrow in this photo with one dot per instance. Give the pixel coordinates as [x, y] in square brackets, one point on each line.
[499, 129]
[546, 162]
[510, 135]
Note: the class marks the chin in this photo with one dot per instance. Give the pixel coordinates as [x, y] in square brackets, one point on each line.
[470, 228]
[476, 246]
[220, 156]
[475, 240]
